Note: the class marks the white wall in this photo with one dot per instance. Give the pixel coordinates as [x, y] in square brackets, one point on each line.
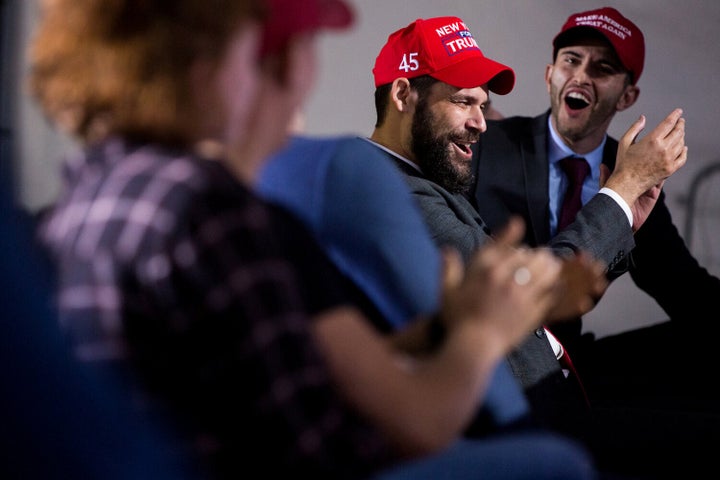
[681, 70]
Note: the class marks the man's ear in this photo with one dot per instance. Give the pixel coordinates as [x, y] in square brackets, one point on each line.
[628, 98]
[401, 94]
[548, 75]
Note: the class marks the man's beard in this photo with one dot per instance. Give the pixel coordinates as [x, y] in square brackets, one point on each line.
[433, 155]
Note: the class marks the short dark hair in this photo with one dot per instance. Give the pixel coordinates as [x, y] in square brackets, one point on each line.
[421, 84]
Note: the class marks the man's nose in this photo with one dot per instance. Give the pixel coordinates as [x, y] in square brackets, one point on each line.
[582, 74]
[477, 120]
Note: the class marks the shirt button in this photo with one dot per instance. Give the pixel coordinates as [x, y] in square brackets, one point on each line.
[540, 333]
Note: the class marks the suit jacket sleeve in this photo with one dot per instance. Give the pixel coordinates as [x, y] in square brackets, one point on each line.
[601, 229]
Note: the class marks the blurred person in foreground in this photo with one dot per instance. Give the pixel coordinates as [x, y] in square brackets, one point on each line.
[221, 309]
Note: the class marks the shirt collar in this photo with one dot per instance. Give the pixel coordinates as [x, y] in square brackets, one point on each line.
[394, 154]
[557, 150]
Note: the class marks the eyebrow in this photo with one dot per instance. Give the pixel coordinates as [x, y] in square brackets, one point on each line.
[608, 58]
[457, 96]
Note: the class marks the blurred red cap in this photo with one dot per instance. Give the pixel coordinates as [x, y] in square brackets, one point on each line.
[292, 17]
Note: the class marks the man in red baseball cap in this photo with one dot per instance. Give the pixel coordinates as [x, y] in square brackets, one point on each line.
[626, 39]
[443, 48]
[597, 62]
[432, 84]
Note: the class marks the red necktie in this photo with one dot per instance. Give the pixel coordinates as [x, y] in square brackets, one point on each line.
[576, 169]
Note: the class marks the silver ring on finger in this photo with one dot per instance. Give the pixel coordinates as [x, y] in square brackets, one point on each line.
[522, 276]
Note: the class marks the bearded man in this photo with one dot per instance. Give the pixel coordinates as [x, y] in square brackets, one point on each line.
[432, 84]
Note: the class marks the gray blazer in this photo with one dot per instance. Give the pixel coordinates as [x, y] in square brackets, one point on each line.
[454, 221]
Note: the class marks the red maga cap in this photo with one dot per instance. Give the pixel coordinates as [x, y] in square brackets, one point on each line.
[625, 37]
[443, 48]
[287, 18]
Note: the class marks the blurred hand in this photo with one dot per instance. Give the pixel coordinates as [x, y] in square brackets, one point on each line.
[583, 283]
[505, 290]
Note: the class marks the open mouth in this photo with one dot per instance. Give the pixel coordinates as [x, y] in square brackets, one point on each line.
[576, 101]
[463, 147]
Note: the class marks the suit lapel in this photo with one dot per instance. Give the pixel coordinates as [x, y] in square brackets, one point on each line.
[535, 166]
[610, 152]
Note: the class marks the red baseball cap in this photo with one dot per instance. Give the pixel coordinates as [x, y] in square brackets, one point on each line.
[287, 18]
[443, 48]
[625, 37]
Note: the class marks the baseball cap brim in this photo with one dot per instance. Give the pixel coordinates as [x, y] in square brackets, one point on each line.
[288, 18]
[476, 71]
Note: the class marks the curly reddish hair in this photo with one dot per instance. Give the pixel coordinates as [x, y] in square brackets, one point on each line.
[101, 67]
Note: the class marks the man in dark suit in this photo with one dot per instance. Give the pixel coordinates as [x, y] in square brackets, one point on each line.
[594, 74]
[430, 108]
